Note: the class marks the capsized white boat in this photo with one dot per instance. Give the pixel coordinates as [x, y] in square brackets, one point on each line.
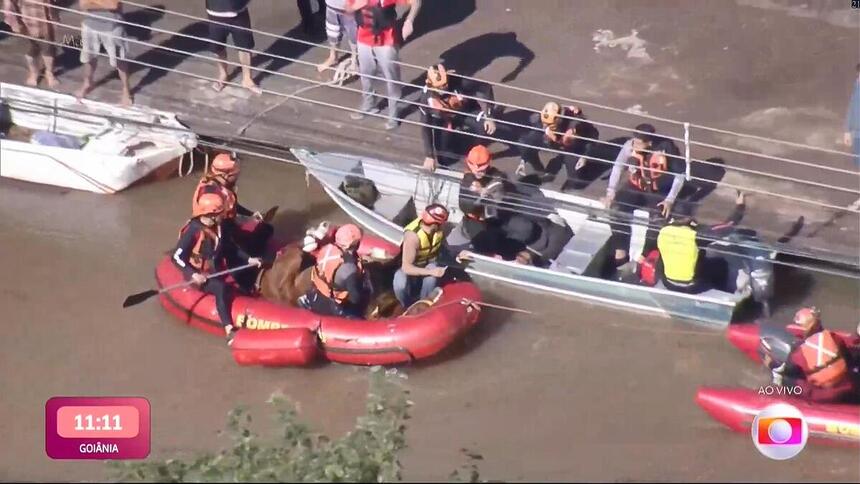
[86, 145]
[573, 274]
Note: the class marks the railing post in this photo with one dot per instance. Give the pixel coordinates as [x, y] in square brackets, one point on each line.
[687, 149]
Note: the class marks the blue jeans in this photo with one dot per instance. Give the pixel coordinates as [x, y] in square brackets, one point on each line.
[410, 289]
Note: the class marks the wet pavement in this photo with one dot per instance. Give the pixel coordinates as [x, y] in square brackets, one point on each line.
[573, 392]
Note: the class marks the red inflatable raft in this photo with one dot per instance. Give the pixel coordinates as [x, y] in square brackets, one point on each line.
[736, 407]
[276, 334]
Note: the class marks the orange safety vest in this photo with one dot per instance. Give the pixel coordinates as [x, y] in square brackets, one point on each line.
[329, 260]
[825, 363]
[198, 262]
[447, 101]
[230, 198]
[646, 175]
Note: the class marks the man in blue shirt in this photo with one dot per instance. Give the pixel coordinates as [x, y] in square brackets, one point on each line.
[852, 120]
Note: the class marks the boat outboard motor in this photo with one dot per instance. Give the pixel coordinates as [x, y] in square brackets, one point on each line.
[750, 266]
[777, 344]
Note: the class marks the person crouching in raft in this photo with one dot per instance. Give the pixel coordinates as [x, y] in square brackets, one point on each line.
[221, 179]
[201, 250]
[338, 277]
[823, 361]
[423, 245]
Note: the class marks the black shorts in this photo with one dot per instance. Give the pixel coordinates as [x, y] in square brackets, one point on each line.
[231, 27]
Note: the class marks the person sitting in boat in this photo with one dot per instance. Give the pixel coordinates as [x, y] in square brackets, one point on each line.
[540, 239]
[338, 277]
[819, 362]
[681, 265]
[421, 250]
[559, 128]
[456, 103]
[221, 179]
[202, 249]
[481, 189]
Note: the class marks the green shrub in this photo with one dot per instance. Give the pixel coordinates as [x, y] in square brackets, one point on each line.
[368, 453]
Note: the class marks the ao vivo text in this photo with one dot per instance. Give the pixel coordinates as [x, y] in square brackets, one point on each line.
[780, 390]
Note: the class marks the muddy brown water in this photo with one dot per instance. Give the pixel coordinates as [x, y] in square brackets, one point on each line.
[574, 392]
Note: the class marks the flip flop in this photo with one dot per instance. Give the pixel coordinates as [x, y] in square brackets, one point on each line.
[217, 86]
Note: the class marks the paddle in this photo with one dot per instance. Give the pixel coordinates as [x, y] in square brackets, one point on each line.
[138, 298]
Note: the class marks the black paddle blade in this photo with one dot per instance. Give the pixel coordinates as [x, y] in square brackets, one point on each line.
[138, 298]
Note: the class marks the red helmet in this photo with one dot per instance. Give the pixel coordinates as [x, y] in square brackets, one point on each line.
[209, 204]
[435, 214]
[225, 164]
[807, 317]
[478, 159]
[347, 236]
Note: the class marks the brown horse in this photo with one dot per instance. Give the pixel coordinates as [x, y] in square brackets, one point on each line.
[290, 277]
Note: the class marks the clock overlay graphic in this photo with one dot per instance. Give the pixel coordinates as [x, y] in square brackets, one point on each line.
[97, 428]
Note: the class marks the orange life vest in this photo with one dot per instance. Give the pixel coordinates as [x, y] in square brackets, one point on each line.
[825, 362]
[329, 260]
[440, 103]
[208, 183]
[198, 262]
[645, 176]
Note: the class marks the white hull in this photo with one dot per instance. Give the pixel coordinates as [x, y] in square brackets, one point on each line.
[118, 153]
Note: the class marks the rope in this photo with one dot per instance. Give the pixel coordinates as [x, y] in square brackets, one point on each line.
[421, 68]
[509, 123]
[500, 85]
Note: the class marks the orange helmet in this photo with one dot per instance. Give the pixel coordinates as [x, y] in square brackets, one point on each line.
[347, 236]
[478, 159]
[225, 164]
[209, 204]
[437, 77]
[434, 214]
[807, 317]
[550, 113]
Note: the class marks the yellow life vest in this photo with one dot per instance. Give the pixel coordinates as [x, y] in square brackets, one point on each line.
[428, 248]
[679, 251]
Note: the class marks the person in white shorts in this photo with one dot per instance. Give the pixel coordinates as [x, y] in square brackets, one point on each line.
[100, 28]
[338, 25]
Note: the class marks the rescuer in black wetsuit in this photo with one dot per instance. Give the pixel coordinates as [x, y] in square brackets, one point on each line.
[202, 250]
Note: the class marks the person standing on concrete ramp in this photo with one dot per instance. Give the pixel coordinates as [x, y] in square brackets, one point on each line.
[378, 45]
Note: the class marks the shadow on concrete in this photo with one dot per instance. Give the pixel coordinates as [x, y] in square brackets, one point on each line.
[284, 47]
[439, 14]
[171, 60]
[711, 174]
[471, 56]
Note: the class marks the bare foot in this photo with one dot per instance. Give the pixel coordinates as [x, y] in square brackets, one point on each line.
[126, 99]
[218, 86]
[32, 80]
[53, 83]
[84, 90]
[251, 86]
[326, 64]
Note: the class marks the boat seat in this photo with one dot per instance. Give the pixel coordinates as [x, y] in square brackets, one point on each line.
[585, 253]
[390, 205]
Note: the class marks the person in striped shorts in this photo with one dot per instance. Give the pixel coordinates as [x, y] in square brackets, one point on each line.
[338, 25]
